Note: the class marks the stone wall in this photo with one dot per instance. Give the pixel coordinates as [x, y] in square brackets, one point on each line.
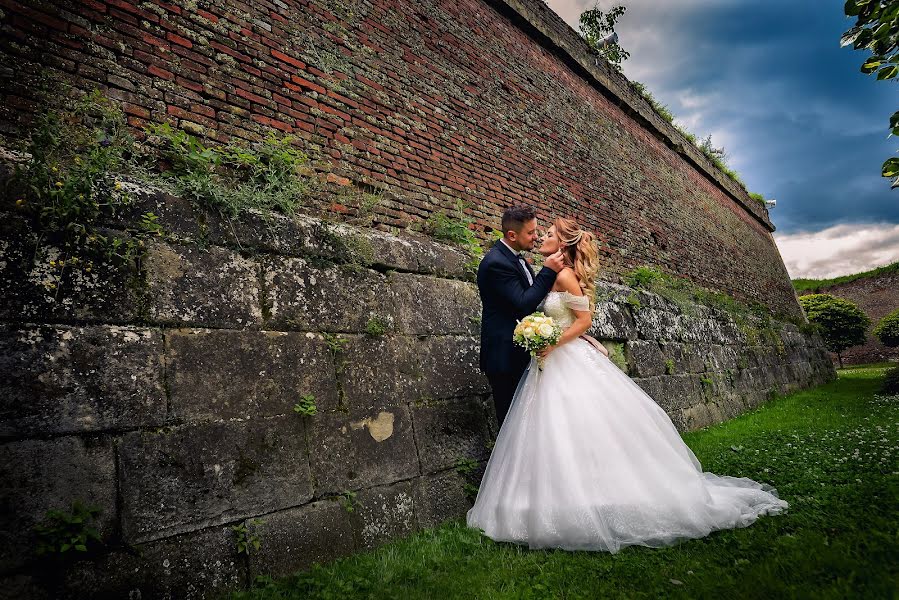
[877, 296]
[165, 397]
[485, 101]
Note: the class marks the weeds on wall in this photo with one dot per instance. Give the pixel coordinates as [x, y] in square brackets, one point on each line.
[68, 532]
[754, 319]
[234, 177]
[68, 185]
[456, 227]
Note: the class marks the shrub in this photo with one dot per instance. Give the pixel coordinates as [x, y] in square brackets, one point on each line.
[887, 330]
[843, 324]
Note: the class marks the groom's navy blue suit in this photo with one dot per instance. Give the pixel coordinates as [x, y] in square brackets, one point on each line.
[506, 296]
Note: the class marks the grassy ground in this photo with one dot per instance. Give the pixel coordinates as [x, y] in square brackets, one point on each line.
[831, 452]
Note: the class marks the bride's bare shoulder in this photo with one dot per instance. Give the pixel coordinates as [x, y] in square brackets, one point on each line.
[567, 281]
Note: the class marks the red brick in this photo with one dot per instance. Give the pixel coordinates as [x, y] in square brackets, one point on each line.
[161, 73]
[288, 59]
[308, 84]
[177, 39]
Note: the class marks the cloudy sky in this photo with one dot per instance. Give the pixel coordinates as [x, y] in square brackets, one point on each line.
[799, 122]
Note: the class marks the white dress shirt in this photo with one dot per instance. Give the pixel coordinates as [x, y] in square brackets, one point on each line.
[524, 265]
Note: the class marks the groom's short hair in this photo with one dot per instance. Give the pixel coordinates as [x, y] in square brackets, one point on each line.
[515, 217]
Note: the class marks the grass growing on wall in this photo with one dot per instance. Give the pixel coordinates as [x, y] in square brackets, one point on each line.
[830, 452]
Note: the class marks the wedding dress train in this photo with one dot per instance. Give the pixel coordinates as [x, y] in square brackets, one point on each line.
[586, 460]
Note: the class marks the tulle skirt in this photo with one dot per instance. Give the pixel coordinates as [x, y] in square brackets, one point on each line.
[586, 460]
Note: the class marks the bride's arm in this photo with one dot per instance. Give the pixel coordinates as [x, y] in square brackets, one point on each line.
[583, 318]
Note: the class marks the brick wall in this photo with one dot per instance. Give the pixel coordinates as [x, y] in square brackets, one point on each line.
[488, 102]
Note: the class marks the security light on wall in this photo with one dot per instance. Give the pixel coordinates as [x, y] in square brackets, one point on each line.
[771, 203]
[612, 38]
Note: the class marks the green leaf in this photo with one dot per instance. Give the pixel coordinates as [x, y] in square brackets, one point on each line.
[890, 167]
[850, 36]
[888, 72]
[872, 64]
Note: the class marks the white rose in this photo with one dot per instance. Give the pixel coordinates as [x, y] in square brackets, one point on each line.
[546, 330]
[529, 333]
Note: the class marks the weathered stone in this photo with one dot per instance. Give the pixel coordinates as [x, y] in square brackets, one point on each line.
[293, 540]
[40, 475]
[194, 477]
[449, 367]
[433, 367]
[196, 565]
[430, 305]
[190, 286]
[364, 362]
[361, 449]
[40, 281]
[77, 379]
[644, 358]
[225, 374]
[385, 513]
[613, 321]
[331, 298]
[446, 432]
[657, 324]
[439, 498]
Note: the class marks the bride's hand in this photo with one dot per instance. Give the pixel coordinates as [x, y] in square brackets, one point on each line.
[545, 352]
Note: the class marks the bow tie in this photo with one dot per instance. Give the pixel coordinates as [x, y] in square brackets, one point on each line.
[520, 256]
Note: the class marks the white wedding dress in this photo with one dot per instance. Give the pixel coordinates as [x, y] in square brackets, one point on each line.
[586, 460]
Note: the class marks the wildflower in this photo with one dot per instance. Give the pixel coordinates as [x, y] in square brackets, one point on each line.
[118, 185]
[20, 202]
[52, 263]
[54, 169]
[59, 184]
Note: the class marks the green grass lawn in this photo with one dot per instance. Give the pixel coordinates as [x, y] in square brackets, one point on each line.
[831, 452]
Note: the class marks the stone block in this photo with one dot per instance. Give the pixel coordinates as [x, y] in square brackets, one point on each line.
[193, 477]
[449, 367]
[385, 513]
[448, 431]
[612, 321]
[324, 297]
[80, 379]
[197, 565]
[361, 449]
[293, 540]
[40, 475]
[657, 324]
[382, 370]
[432, 367]
[644, 358]
[439, 498]
[225, 374]
[211, 287]
[428, 305]
[39, 281]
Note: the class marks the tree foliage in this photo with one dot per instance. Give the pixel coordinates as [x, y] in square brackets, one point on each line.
[842, 323]
[877, 29]
[596, 25]
[887, 330]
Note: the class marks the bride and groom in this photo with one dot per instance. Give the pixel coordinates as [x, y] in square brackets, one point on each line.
[584, 458]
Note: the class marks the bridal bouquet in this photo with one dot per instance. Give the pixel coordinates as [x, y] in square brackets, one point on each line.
[535, 332]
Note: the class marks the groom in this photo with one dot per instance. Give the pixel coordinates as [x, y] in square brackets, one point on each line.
[510, 291]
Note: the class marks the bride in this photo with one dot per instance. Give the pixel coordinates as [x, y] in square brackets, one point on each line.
[585, 459]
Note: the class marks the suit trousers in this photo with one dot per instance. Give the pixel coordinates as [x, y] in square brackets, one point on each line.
[503, 386]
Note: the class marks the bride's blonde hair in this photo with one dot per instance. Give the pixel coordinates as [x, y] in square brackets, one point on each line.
[579, 248]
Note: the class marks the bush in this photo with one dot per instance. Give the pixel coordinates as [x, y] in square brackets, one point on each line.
[843, 324]
[887, 331]
[891, 381]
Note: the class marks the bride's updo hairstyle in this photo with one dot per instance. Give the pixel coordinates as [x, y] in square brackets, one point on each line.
[579, 248]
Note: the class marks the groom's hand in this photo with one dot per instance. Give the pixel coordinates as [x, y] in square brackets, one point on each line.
[556, 261]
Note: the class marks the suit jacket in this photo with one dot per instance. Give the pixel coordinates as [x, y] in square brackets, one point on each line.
[506, 297]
